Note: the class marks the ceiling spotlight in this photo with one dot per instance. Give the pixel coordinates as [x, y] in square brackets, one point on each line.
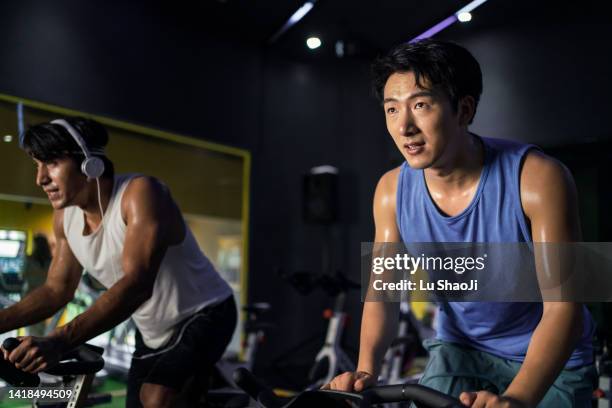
[339, 49]
[8, 138]
[293, 20]
[464, 16]
[313, 42]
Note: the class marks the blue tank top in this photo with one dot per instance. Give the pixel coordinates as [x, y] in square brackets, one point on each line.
[495, 214]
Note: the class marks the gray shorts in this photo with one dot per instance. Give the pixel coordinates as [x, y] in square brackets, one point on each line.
[454, 368]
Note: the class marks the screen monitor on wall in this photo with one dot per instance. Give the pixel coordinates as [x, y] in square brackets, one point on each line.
[12, 251]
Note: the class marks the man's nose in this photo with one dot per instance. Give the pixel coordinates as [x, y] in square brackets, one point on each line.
[42, 176]
[407, 125]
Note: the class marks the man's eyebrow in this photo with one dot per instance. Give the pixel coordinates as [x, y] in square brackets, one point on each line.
[412, 96]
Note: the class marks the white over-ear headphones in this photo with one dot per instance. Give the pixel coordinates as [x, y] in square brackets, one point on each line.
[92, 166]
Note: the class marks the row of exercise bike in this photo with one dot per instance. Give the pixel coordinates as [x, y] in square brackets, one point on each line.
[235, 385]
[118, 345]
[82, 363]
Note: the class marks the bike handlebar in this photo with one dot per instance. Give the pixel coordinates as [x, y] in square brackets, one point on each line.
[413, 392]
[85, 359]
[13, 375]
[422, 396]
[254, 387]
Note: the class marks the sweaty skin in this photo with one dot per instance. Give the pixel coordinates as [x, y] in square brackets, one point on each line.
[154, 223]
[452, 160]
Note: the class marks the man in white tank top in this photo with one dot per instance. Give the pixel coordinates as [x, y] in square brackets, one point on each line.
[127, 232]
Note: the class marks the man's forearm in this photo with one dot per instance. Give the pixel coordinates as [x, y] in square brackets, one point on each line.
[551, 345]
[111, 308]
[378, 329]
[41, 303]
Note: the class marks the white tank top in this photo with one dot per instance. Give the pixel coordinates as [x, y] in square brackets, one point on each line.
[186, 281]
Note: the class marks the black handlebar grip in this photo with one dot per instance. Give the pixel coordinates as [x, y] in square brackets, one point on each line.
[88, 361]
[386, 393]
[10, 344]
[420, 395]
[13, 375]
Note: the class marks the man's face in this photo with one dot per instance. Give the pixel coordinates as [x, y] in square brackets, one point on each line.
[61, 180]
[421, 121]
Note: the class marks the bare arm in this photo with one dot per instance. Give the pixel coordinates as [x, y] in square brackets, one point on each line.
[380, 319]
[44, 301]
[152, 219]
[549, 200]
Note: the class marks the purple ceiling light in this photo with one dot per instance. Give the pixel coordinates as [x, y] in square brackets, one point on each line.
[448, 21]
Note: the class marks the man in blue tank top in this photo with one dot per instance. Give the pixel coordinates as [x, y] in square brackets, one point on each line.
[457, 187]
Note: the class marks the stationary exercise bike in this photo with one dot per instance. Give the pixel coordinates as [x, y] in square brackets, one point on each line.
[223, 391]
[423, 397]
[403, 349]
[331, 358]
[77, 367]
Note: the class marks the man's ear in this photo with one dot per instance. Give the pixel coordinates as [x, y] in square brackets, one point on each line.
[466, 109]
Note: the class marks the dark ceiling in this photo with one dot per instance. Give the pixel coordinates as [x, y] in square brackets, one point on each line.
[367, 27]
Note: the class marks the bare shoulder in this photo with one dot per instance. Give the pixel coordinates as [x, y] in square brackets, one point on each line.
[544, 181]
[145, 194]
[145, 185]
[387, 185]
[386, 191]
[540, 170]
[385, 208]
[146, 188]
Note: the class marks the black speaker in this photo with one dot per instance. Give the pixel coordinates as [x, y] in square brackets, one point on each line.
[319, 199]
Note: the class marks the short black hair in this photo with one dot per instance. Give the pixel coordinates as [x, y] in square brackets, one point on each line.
[446, 66]
[49, 141]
